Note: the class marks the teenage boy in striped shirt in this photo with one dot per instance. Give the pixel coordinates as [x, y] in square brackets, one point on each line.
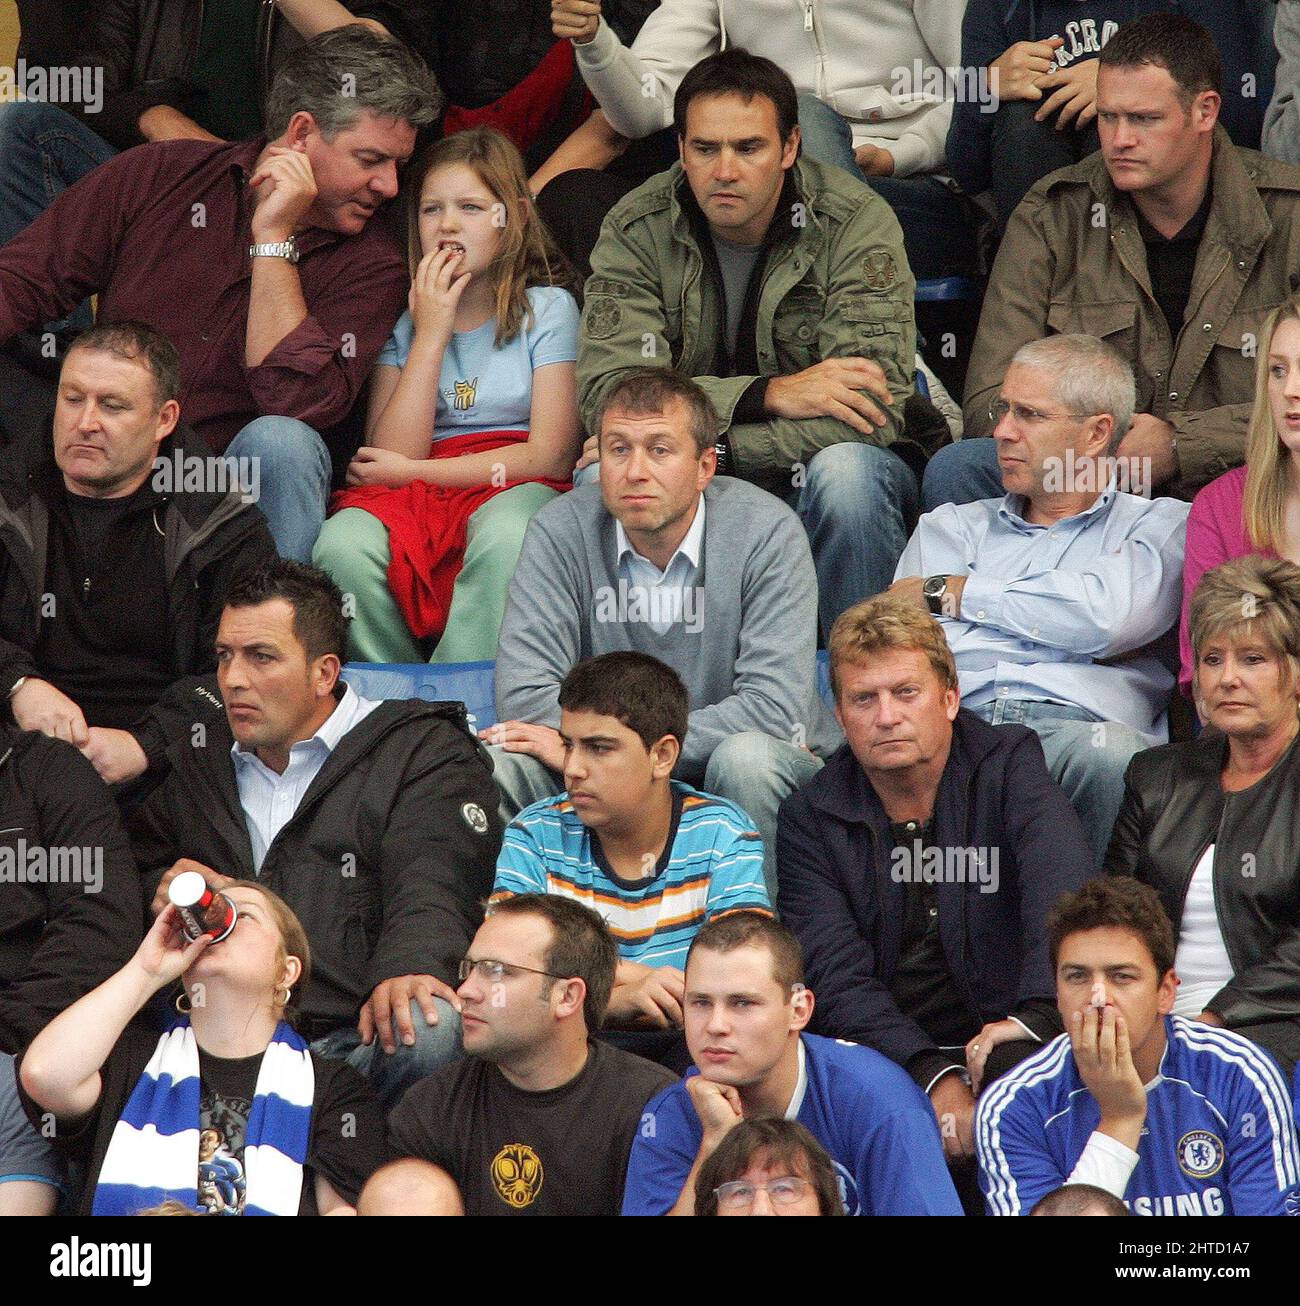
[653, 856]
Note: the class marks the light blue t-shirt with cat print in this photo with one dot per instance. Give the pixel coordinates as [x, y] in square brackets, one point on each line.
[485, 388]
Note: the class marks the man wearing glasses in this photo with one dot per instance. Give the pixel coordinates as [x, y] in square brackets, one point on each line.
[1170, 242]
[1052, 596]
[539, 1118]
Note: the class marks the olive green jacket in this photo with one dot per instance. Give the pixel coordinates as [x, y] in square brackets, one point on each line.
[1073, 260]
[836, 284]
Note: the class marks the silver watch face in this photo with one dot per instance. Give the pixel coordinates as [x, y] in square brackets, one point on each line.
[934, 587]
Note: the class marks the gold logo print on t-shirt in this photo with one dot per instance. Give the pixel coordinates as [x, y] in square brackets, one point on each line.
[466, 393]
[517, 1174]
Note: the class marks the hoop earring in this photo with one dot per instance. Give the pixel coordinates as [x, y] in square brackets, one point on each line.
[288, 993]
[183, 997]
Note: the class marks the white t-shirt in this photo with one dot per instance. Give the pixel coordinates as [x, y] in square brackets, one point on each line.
[1202, 958]
[483, 388]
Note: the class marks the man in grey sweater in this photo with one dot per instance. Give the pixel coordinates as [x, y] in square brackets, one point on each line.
[711, 575]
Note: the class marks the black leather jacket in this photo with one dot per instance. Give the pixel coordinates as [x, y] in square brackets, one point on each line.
[1174, 807]
[147, 50]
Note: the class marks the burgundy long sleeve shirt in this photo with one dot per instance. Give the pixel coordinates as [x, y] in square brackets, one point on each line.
[161, 234]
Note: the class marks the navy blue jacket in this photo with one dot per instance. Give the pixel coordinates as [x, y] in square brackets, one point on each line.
[1242, 31]
[839, 895]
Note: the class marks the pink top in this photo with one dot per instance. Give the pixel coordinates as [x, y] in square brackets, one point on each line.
[1216, 532]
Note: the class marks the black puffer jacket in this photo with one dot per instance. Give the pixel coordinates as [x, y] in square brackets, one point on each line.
[1174, 808]
[58, 940]
[386, 861]
[206, 539]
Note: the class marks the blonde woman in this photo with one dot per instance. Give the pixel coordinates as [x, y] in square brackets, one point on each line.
[1254, 508]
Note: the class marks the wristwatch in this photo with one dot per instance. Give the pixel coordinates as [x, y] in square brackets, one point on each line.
[275, 249]
[935, 589]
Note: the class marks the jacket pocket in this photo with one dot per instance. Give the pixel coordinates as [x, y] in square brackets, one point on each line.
[1114, 322]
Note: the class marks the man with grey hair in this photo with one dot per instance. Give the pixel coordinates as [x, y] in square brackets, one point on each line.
[1053, 596]
[258, 260]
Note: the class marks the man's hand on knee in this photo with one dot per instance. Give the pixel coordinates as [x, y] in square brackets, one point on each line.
[39, 706]
[541, 742]
[833, 388]
[954, 1108]
[115, 754]
[387, 1012]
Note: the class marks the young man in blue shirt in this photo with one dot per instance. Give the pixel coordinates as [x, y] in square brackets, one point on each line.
[746, 1009]
[1173, 1116]
[653, 856]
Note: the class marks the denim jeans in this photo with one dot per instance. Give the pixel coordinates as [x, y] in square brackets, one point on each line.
[293, 480]
[858, 505]
[1086, 757]
[962, 473]
[755, 771]
[1025, 151]
[391, 1074]
[938, 233]
[43, 150]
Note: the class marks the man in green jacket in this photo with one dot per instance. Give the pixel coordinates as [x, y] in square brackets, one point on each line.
[781, 287]
[1170, 243]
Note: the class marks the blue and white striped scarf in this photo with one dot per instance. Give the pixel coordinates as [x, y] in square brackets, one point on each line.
[153, 1154]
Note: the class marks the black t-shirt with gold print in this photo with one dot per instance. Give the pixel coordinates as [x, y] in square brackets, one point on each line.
[559, 1152]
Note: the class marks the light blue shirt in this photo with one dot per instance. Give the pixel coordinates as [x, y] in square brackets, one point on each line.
[269, 800]
[1061, 613]
[662, 598]
[483, 386]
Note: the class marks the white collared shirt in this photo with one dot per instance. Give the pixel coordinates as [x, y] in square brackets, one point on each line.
[661, 594]
[800, 1086]
[268, 799]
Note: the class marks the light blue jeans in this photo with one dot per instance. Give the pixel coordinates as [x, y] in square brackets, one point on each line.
[962, 473]
[938, 234]
[858, 505]
[391, 1074]
[1086, 757]
[755, 771]
[293, 480]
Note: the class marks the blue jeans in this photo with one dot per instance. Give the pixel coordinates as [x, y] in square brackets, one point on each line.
[937, 231]
[43, 150]
[962, 473]
[1025, 150]
[293, 480]
[755, 771]
[391, 1074]
[858, 504]
[1086, 757]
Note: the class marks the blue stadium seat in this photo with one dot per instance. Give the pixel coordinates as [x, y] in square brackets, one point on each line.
[472, 683]
[943, 290]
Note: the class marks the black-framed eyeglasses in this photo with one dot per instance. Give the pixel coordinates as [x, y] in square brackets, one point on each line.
[1026, 416]
[495, 971]
[739, 1194]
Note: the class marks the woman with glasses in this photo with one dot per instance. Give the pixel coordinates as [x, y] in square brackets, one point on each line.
[1254, 508]
[1213, 824]
[228, 1112]
[768, 1166]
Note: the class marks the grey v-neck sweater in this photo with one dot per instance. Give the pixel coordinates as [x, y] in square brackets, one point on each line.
[745, 648]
